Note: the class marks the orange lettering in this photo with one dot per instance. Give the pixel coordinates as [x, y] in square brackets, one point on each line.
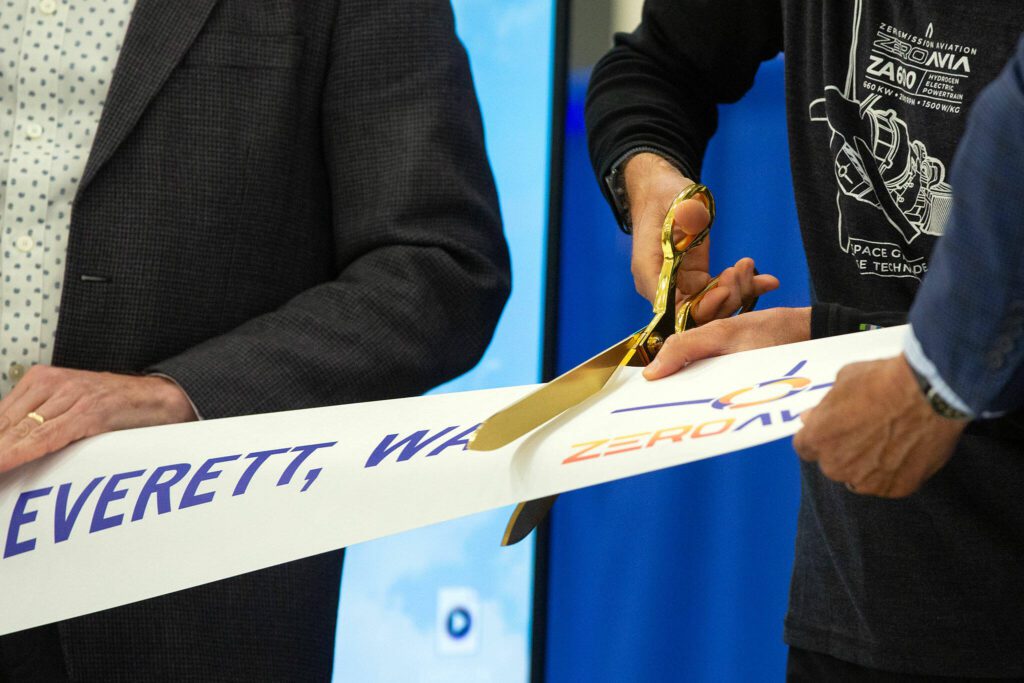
[580, 456]
[699, 431]
[628, 440]
[676, 437]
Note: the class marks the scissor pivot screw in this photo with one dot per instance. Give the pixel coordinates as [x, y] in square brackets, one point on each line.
[654, 344]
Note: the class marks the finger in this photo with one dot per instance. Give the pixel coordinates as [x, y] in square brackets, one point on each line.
[685, 348]
[715, 304]
[765, 283]
[13, 437]
[691, 282]
[696, 259]
[690, 218]
[43, 439]
[32, 394]
[744, 277]
[13, 395]
[807, 442]
[877, 483]
[21, 443]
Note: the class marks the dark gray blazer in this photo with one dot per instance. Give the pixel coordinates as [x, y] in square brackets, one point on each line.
[287, 205]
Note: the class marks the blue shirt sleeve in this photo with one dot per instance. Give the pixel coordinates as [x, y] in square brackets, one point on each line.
[969, 314]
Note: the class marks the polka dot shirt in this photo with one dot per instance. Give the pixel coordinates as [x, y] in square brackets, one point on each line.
[56, 61]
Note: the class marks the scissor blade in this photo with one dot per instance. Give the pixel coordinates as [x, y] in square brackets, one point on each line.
[526, 517]
[553, 399]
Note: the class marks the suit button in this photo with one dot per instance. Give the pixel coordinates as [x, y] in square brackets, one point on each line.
[48, 6]
[34, 131]
[995, 360]
[16, 372]
[24, 243]
[1004, 344]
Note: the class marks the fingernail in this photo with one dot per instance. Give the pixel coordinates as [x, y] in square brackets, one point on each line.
[652, 369]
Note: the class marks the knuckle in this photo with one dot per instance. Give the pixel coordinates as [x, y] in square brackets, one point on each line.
[830, 468]
[35, 375]
[672, 342]
[844, 373]
[22, 429]
[717, 329]
[805, 448]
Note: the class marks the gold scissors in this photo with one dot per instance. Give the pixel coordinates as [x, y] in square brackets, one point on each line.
[588, 378]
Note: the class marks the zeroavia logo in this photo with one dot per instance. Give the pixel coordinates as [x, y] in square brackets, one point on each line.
[768, 391]
[761, 393]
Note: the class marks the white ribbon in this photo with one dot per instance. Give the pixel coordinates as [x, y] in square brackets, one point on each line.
[131, 515]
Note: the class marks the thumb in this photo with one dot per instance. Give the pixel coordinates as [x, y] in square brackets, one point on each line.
[690, 218]
[685, 348]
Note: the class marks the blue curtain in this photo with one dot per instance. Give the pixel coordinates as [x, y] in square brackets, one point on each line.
[681, 574]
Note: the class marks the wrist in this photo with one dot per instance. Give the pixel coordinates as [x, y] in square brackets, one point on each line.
[649, 177]
[171, 400]
[928, 395]
[797, 323]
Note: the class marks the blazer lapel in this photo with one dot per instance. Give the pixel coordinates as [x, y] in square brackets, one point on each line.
[158, 36]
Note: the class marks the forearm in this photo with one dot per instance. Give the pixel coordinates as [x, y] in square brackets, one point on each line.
[370, 335]
[969, 314]
[660, 85]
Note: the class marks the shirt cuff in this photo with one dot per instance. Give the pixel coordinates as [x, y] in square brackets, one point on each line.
[919, 361]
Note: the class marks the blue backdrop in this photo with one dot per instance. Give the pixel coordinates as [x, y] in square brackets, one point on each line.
[682, 574]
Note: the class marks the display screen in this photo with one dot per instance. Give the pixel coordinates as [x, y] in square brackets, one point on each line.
[446, 603]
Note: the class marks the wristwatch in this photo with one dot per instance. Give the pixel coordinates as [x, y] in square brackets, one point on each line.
[615, 181]
[941, 406]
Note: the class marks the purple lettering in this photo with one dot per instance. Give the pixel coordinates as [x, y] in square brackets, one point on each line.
[19, 518]
[110, 494]
[410, 445]
[303, 453]
[461, 439]
[205, 473]
[258, 458]
[161, 489]
[64, 519]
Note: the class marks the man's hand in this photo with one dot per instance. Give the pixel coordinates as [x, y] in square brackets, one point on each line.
[75, 404]
[755, 330]
[651, 185]
[875, 432]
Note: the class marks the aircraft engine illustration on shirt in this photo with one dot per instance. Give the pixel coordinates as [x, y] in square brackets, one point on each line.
[879, 163]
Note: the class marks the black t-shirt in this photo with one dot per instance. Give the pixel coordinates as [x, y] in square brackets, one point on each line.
[877, 95]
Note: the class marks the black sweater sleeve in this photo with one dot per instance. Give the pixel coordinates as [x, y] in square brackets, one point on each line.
[660, 85]
[830, 320]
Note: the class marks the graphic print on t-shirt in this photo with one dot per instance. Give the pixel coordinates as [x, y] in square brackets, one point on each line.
[878, 160]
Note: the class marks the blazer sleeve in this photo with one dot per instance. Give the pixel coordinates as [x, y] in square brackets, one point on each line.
[659, 87]
[423, 270]
[969, 313]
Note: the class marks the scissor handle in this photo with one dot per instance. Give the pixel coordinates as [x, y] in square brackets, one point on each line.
[648, 341]
[673, 252]
[680, 248]
[685, 319]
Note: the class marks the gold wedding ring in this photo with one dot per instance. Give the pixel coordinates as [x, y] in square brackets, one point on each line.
[37, 417]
